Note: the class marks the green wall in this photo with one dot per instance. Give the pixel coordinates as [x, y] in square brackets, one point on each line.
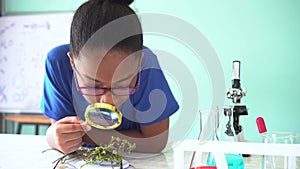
[263, 35]
[13, 7]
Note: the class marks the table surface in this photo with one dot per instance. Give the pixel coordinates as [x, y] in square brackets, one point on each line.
[25, 151]
[36, 118]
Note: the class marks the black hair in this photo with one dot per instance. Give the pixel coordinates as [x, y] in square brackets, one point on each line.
[94, 15]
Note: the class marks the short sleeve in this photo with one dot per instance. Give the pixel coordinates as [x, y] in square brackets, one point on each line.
[57, 93]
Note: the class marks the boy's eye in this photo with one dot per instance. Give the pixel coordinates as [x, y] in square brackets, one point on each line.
[121, 85]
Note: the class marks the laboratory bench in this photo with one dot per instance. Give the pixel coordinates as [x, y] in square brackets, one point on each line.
[26, 151]
[8, 121]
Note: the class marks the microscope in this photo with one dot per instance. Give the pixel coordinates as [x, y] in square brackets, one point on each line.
[236, 93]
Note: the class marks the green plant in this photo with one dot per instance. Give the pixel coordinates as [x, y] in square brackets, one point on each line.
[113, 152]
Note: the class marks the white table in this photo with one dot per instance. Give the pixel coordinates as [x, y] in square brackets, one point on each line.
[25, 151]
[255, 149]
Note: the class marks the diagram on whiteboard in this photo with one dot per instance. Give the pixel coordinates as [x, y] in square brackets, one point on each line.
[24, 44]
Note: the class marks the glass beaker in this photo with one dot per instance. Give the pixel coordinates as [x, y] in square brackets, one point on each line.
[276, 162]
[207, 126]
[225, 132]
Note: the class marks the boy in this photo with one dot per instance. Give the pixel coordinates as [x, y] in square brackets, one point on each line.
[105, 58]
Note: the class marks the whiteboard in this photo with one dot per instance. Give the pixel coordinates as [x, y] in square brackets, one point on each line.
[24, 44]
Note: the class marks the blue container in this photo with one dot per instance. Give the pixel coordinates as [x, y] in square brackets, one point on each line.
[234, 161]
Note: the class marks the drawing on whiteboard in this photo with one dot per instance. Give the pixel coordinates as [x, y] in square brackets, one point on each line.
[6, 45]
[37, 25]
[3, 97]
[6, 28]
[19, 81]
[3, 59]
[25, 41]
[19, 97]
[37, 60]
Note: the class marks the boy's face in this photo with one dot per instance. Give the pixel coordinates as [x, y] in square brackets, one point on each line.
[116, 69]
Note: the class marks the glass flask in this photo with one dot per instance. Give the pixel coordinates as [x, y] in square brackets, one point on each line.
[207, 126]
[225, 132]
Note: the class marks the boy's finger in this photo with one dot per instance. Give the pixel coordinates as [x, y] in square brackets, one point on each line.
[70, 120]
[85, 126]
[70, 128]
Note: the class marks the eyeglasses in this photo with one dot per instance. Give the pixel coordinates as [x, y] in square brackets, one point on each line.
[99, 91]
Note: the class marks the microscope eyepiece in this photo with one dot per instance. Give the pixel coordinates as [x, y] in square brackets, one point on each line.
[236, 74]
[236, 70]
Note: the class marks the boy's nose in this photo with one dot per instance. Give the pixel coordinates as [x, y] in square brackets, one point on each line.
[106, 98]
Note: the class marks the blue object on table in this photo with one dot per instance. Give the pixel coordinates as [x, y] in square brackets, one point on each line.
[234, 161]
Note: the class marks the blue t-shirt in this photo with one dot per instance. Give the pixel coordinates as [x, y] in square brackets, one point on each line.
[152, 103]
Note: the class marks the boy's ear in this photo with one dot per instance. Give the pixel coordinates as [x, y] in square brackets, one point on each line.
[142, 54]
[71, 59]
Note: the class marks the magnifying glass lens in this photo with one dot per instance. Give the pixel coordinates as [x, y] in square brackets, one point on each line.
[103, 116]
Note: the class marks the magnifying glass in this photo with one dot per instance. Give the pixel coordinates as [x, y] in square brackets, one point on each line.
[103, 116]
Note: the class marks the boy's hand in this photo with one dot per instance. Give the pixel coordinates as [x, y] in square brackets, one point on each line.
[66, 134]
